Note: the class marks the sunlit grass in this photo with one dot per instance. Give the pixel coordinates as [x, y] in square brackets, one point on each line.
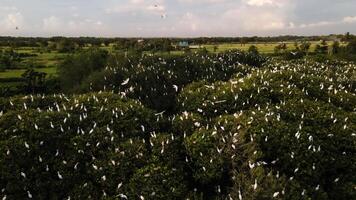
[16, 73]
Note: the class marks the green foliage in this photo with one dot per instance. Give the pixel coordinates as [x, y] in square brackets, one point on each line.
[289, 144]
[9, 59]
[158, 182]
[289, 132]
[321, 49]
[281, 48]
[186, 123]
[351, 46]
[75, 68]
[208, 164]
[222, 129]
[292, 55]
[335, 47]
[156, 81]
[305, 46]
[65, 46]
[34, 80]
[82, 146]
[253, 49]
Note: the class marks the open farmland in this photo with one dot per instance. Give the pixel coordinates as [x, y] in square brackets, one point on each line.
[264, 48]
[50, 60]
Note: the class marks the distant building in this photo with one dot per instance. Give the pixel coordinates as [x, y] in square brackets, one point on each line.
[183, 44]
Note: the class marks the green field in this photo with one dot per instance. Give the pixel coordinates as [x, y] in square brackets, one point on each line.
[51, 71]
[47, 60]
[265, 48]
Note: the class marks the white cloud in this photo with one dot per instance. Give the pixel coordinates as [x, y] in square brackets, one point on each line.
[137, 1]
[248, 20]
[156, 8]
[259, 3]
[318, 24]
[349, 19]
[184, 17]
[133, 6]
[52, 23]
[11, 21]
[57, 26]
[345, 20]
[189, 22]
[201, 1]
[8, 8]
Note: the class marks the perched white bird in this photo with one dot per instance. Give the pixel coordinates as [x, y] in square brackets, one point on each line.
[59, 176]
[119, 185]
[255, 185]
[317, 187]
[125, 81]
[275, 194]
[240, 196]
[160, 113]
[175, 88]
[122, 196]
[76, 166]
[29, 195]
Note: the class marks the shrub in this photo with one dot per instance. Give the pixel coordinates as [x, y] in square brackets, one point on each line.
[79, 146]
[157, 182]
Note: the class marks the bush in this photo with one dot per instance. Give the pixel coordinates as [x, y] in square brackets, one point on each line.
[285, 130]
[75, 68]
[158, 182]
[299, 142]
[289, 133]
[293, 55]
[156, 81]
[80, 146]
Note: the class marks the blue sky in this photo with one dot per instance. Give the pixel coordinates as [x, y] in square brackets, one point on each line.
[172, 18]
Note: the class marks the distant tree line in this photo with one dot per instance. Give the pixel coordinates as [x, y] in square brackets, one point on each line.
[92, 41]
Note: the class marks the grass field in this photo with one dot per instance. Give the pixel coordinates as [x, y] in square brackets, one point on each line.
[265, 48]
[18, 72]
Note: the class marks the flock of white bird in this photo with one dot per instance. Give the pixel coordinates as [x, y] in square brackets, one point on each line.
[257, 97]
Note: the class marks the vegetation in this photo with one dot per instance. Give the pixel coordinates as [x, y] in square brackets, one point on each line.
[123, 119]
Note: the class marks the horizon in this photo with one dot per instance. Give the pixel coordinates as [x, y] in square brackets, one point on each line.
[176, 18]
[180, 37]
[158, 37]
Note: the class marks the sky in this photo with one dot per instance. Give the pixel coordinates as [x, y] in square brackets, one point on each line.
[176, 18]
